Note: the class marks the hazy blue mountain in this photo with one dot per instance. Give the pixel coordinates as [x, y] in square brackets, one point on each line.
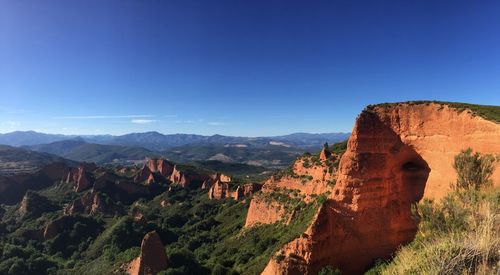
[19, 138]
[159, 142]
[80, 150]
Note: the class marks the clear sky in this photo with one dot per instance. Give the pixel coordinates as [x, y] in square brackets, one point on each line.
[237, 67]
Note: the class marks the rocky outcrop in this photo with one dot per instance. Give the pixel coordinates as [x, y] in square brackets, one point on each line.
[220, 190]
[162, 168]
[220, 177]
[214, 178]
[81, 178]
[245, 191]
[188, 179]
[308, 177]
[438, 133]
[91, 204]
[264, 212]
[207, 184]
[324, 154]
[396, 155]
[34, 204]
[152, 259]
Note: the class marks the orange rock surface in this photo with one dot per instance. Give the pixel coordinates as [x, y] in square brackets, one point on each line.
[310, 177]
[153, 258]
[396, 155]
[80, 177]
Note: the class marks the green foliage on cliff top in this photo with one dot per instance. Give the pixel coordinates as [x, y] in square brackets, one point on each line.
[489, 112]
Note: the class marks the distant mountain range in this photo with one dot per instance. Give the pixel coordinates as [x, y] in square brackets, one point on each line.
[80, 150]
[270, 152]
[159, 142]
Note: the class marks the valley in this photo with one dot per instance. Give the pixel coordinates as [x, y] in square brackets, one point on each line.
[63, 214]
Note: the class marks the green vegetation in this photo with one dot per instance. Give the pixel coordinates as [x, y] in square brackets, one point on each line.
[339, 148]
[473, 170]
[201, 236]
[459, 235]
[488, 112]
[328, 270]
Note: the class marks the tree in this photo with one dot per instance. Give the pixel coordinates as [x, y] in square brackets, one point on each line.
[473, 169]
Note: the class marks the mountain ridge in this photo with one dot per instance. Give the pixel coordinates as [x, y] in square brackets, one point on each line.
[156, 141]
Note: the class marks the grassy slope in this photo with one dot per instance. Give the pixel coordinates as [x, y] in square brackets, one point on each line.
[489, 112]
[458, 235]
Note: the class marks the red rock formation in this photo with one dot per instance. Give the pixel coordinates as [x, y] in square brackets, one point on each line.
[152, 259]
[207, 184]
[310, 176]
[219, 190]
[90, 204]
[178, 177]
[324, 154]
[214, 178]
[186, 179]
[160, 167]
[263, 212]
[143, 175]
[394, 154]
[80, 177]
[220, 177]
[163, 167]
[50, 230]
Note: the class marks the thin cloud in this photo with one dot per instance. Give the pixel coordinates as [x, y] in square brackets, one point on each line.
[104, 117]
[216, 123]
[11, 123]
[170, 116]
[142, 121]
[185, 121]
[10, 110]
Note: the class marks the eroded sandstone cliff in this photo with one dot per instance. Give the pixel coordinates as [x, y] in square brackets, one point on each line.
[308, 177]
[397, 154]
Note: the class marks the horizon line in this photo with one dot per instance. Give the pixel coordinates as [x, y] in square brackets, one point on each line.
[117, 135]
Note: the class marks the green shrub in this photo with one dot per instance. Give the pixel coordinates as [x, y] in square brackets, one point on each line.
[473, 170]
[328, 270]
[458, 235]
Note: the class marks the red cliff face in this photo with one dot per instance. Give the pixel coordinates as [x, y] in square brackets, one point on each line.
[179, 178]
[81, 178]
[309, 176]
[221, 190]
[396, 155]
[90, 204]
[153, 258]
[187, 179]
[159, 167]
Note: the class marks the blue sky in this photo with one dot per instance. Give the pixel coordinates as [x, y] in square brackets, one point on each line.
[247, 68]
